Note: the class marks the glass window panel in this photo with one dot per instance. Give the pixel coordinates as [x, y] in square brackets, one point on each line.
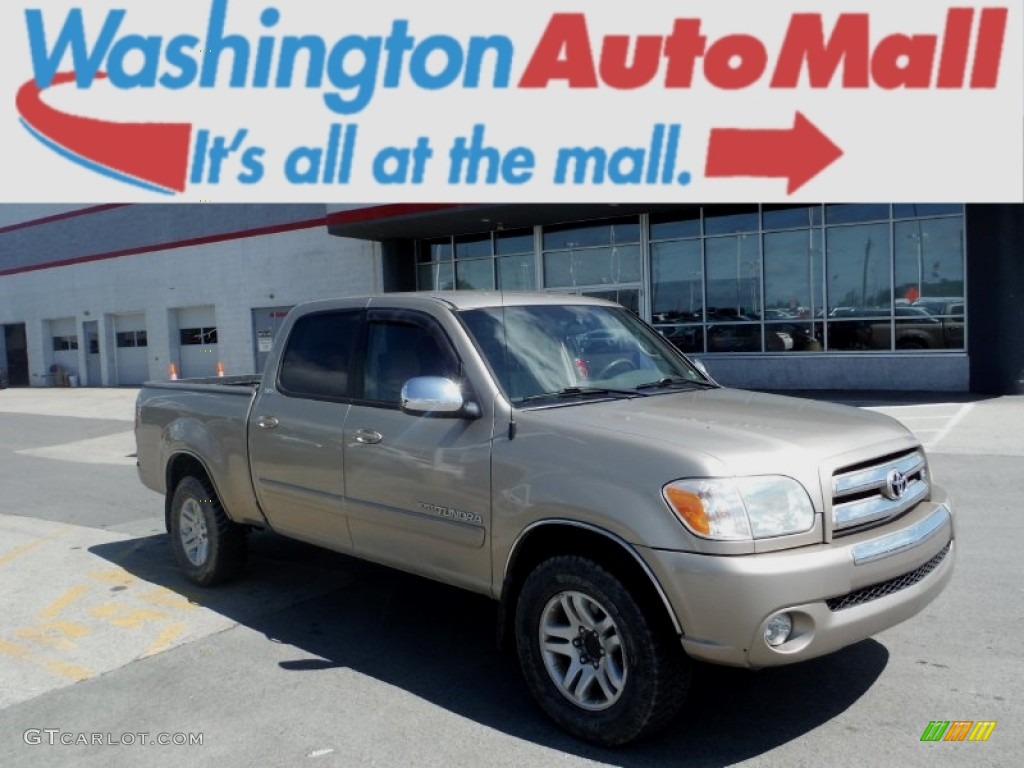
[473, 247]
[627, 297]
[515, 241]
[606, 233]
[475, 275]
[728, 220]
[126, 339]
[865, 335]
[793, 263]
[916, 329]
[677, 282]
[592, 266]
[788, 217]
[688, 338]
[437, 250]
[859, 272]
[672, 226]
[734, 337]
[793, 337]
[516, 273]
[141, 339]
[853, 214]
[436, 277]
[913, 210]
[930, 262]
[733, 278]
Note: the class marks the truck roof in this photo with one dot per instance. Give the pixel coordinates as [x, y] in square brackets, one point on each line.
[483, 299]
[461, 300]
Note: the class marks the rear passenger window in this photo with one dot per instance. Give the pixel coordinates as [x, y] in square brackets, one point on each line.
[319, 355]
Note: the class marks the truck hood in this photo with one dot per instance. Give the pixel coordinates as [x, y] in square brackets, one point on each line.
[748, 432]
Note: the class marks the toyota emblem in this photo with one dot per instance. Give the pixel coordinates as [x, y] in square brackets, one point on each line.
[895, 485]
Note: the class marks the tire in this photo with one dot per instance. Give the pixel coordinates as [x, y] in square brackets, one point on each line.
[209, 548]
[590, 621]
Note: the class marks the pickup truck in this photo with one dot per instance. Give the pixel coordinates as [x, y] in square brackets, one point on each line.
[560, 456]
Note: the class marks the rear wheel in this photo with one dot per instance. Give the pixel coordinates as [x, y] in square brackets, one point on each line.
[595, 661]
[209, 547]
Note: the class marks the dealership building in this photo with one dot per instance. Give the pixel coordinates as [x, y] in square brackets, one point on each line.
[870, 296]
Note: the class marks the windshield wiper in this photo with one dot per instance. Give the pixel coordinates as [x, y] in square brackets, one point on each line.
[676, 381]
[571, 392]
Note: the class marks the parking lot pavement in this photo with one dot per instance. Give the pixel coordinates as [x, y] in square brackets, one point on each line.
[316, 658]
[107, 404]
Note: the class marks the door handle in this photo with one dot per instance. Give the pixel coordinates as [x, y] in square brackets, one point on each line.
[266, 422]
[368, 436]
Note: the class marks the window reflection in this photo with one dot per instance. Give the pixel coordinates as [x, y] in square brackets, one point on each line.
[592, 266]
[793, 269]
[734, 278]
[677, 282]
[769, 279]
[859, 275]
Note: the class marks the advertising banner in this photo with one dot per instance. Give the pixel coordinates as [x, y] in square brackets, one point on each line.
[543, 101]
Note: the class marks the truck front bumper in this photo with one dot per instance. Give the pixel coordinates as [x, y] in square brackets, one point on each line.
[835, 594]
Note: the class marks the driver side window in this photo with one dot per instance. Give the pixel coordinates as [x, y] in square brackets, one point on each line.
[399, 351]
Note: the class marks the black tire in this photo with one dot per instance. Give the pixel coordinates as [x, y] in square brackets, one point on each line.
[209, 547]
[640, 680]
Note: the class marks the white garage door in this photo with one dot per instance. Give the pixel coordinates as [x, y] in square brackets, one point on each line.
[197, 334]
[132, 344]
[65, 350]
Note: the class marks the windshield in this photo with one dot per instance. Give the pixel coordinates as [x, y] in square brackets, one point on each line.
[552, 350]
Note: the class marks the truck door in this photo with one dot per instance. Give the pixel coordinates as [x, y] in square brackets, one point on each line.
[296, 445]
[418, 487]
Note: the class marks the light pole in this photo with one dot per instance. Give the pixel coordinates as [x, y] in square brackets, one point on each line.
[919, 238]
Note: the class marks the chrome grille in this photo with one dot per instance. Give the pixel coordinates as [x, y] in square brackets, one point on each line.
[875, 591]
[860, 494]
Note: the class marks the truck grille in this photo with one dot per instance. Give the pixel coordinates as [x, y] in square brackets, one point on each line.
[869, 494]
[875, 591]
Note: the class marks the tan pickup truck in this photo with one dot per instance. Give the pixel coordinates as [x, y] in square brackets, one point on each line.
[557, 454]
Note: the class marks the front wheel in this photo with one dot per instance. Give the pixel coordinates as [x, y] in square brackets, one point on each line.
[208, 546]
[596, 663]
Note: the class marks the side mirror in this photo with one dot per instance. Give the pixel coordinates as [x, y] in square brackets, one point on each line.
[436, 396]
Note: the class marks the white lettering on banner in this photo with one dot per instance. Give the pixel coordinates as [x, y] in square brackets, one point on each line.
[257, 102]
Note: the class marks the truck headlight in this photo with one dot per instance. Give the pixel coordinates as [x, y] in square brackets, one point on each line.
[742, 508]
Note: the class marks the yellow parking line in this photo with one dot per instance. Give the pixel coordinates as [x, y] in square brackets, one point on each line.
[29, 546]
[72, 671]
[63, 601]
[165, 639]
[168, 599]
[126, 618]
[57, 667]
[15, 651]
[55, 634]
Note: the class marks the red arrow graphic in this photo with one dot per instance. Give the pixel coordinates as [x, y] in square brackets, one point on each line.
[153, 152]
[799, 153]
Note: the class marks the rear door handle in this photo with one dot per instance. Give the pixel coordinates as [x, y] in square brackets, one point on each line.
[266, 422]
[368, 436]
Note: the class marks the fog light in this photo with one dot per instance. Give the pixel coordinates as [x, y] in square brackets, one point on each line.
[778, 629]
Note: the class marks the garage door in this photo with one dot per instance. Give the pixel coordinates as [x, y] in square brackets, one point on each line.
[132, 344]
[64, 338]
[197, 334]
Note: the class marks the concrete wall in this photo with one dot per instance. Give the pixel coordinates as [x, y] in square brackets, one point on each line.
[942, 372]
